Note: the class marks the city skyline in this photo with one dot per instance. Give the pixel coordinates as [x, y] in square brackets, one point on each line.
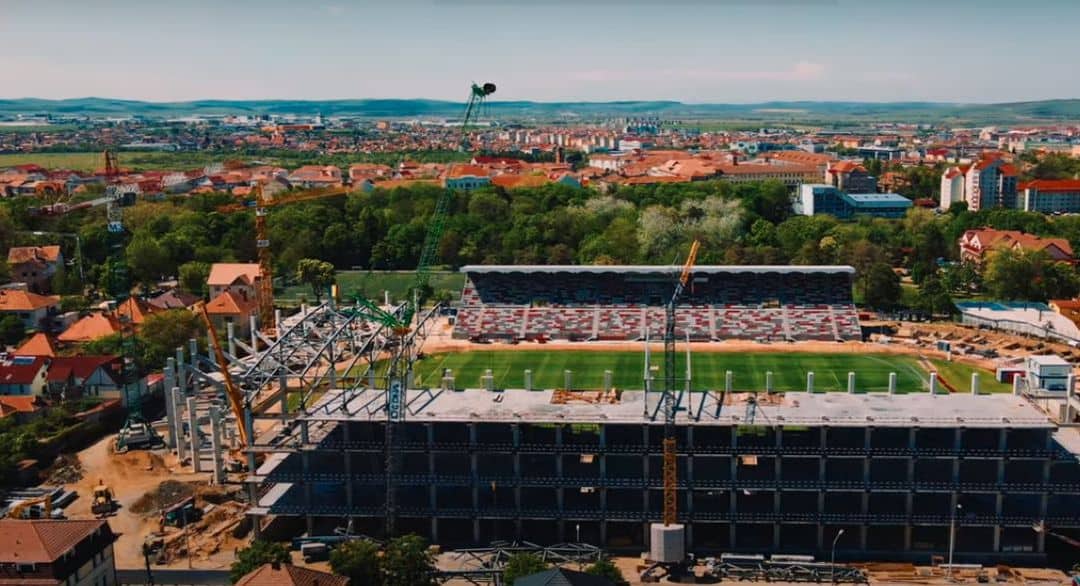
[692, 52]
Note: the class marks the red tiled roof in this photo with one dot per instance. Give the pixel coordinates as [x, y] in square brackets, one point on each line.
[519, 181]
[135, 310]
[467, 171]
[43, 541]
[173, 299]
[231, 303]
[991, 238]
[90, 327]
[11, 404]
[223, 274]
[38, 345]
[290, 575]
[1052, 185]
[14, 371]
[19, 300]
[21, 254]
[79, 366]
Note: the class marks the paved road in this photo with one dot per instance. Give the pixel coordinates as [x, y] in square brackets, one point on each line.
[174, 577]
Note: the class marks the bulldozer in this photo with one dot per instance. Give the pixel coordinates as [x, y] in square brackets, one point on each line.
[104, 503]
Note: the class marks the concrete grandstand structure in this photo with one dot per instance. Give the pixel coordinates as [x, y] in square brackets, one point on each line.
[767, 303]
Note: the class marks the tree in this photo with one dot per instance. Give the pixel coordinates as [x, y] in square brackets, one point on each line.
[163, 332]
[603, 567]
[146, 259]
[881, 287]
[317, 273]
[11, 329]
[933, 298]
[255, 555]
[193, 276]
[1014, 274]
[359, 560]
[409, 562]
[522, 564]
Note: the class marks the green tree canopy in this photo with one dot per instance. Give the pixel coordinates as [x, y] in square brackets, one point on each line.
[146, 259]
[12, 329]
[317, 273]
[409, 562]
[519, 565]
[359, 560]
[880, 287]
[605, 568]
[193, 275]
[255, 555]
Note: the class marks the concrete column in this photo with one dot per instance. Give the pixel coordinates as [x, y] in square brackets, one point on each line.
[173, 396]
[851, 383]
[810, 382]
[1070, 390]
[729, 381]
[230, 336]
[283, 385]
[933, 383]
[528, 380]
[488, 381]
[974, 383]
[217, 451]
[170, 405]
[371, 378]
[193, 351]
[1017, 389]
[892, 383]
[193, 427]
[277, 322]
[253, 324]
[607, 380]
[180, 374]
[768, 381]
[210, 355]
[568, 379]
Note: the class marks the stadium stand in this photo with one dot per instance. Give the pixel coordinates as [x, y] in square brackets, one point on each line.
[767, 303]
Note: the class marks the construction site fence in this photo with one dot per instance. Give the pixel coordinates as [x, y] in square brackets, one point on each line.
[1018, 327]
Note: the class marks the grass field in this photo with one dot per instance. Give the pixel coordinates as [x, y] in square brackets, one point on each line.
[789, 370]
[372, 284]
[139, 161]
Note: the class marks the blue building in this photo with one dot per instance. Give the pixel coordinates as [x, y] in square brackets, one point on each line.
[826, 199]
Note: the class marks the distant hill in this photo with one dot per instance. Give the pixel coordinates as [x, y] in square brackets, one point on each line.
[798, 111]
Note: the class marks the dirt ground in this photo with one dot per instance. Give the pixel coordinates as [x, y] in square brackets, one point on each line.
[130, 476]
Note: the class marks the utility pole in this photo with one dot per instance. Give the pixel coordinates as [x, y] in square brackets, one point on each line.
[832, 557]
[952, 539]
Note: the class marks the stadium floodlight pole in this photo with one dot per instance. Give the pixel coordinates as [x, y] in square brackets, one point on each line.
[832, 557]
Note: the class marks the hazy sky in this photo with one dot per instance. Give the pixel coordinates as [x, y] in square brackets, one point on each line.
[544, 50]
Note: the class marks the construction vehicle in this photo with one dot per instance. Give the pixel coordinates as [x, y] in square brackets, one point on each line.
[103, 504]
[668, 540]
[262, 202]
[35, 508]
[234, 395]
[181, 513]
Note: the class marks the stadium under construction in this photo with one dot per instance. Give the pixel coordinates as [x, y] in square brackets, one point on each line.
[895, 475]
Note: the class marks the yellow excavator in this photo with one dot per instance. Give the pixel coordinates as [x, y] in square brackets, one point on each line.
[24, 510]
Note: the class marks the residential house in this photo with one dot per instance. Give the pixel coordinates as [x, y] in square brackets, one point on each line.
[467, 177]
[275, 574]
[35, 265]
[975, 244]
[371, 171]
[21, 408]
[519, 181]
[310, 176]
[233, 307]
[1050, 196]
[90, 327]
[50, 552]
[234, 277]
[134, 311]
[85, 376]
[562, 577]
[850, 176]
[173, 299]
[24, 375]
[31, 308]
[38, 345]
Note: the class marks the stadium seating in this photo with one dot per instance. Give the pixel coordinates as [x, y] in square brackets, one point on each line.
[589, 306]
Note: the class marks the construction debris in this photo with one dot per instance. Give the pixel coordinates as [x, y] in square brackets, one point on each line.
[166, 494]
[65, 470]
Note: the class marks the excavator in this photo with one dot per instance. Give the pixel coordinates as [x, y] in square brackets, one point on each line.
[24, 509]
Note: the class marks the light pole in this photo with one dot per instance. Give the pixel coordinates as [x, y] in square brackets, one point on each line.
[832, 557]
[952, 539]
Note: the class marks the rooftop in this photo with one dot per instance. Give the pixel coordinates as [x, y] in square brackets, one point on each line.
[41, 541]
[876, 200]
[656, 269]
[798, 408]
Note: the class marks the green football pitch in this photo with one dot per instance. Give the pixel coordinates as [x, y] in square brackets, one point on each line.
[789, 370]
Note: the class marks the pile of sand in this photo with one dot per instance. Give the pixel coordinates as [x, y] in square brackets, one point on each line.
[167, 493]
